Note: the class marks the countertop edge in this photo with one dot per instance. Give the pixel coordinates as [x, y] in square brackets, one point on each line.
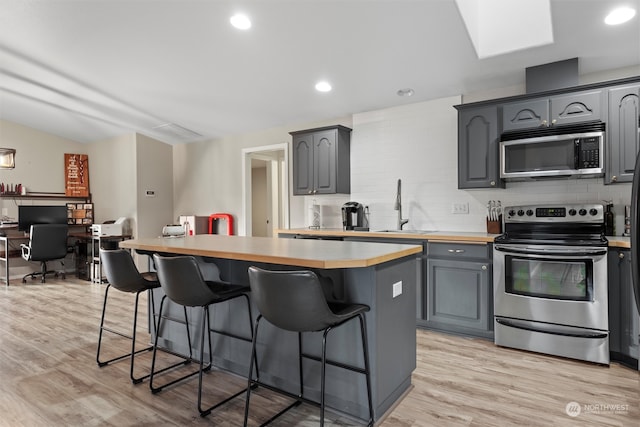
[451, 236]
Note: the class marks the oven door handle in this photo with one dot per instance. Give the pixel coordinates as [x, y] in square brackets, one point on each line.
[577, 252]
[551, 330]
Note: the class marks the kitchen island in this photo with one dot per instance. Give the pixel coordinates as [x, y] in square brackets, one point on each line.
[383, 276]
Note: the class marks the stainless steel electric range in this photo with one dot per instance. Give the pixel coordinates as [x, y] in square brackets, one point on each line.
[550, 281]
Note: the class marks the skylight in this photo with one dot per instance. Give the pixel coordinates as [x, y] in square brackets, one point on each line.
[497, 27]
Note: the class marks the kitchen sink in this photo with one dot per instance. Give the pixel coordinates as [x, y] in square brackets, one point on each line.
[405, 231]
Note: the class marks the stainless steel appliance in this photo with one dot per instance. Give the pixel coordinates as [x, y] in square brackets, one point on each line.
[635, 233]
[550, 281]
[353, 217]
[553, 152]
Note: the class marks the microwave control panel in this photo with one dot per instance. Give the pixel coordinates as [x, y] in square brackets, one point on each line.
[588, 152]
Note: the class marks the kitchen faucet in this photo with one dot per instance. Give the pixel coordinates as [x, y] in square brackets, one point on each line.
[398, 206]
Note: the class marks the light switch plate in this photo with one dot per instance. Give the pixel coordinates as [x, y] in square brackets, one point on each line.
[397, 289]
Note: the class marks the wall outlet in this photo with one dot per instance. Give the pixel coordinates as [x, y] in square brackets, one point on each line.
[397, 289]
[150, 193]
[460, 208]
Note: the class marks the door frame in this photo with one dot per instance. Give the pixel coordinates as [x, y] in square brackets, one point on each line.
[280, 189]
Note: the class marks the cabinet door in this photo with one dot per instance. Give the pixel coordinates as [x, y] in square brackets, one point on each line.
[303, 164]
[459, 296]
[478, 148]
[528, 114]
[324, 162]
[623, 133]
[576, 108]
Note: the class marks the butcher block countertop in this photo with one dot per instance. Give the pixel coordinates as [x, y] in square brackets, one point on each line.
[296, 252]
[450, 236]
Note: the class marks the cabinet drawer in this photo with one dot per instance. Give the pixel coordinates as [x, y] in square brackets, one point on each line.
[459, 250]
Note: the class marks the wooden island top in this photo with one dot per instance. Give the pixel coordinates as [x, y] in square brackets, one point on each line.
[296, 252]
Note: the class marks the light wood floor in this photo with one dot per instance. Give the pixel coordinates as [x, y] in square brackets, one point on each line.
[49, 377]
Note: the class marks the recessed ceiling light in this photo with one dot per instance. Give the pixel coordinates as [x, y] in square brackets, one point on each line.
[323, 86]
[619, 16]
[240, 21]
[405, 92]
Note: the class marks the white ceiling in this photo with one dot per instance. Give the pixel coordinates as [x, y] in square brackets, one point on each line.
[88, 70]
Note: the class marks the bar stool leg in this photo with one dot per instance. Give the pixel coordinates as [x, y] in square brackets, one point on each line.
[365, 353]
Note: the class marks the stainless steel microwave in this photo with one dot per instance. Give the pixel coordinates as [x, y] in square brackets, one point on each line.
[572, 151]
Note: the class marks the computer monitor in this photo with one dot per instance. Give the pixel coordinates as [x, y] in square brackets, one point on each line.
[29, 215]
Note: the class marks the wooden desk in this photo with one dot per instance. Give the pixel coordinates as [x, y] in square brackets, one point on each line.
[4, 241]
[383, 276]
[84, 236]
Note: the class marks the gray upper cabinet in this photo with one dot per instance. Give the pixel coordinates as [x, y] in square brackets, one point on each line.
[526, 114]
[321, 161]
[553, 111]
[623, 133]
[478, 148]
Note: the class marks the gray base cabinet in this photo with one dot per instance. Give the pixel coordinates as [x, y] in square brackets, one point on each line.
[624, 324]
[623, 133]
[459, 289]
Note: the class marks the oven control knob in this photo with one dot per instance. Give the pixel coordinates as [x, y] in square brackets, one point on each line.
[512, 212]
[593, 212]
[529, 212]
[572, 212]
[520, 212]
[582, 212]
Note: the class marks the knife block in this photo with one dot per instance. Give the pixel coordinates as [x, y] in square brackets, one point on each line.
[494, 227]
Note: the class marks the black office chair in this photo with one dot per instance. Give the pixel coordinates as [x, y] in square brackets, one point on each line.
[48, 242]
[123, 275]
[295, 301]
[182, 281]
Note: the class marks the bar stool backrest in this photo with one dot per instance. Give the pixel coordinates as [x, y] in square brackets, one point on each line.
[121, 272]
[291, 300]
[182, 281]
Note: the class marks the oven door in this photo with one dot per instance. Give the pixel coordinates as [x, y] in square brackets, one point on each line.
[558, 285]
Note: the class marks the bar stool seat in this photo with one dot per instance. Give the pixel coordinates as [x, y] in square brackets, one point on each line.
[295, 301]
[122, 275]
[182, 281]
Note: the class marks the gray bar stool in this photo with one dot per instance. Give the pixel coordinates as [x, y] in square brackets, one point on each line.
[122, 274]
[295, 301]
[182, 281]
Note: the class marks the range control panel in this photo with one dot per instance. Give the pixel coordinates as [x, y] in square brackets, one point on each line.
[584, 212]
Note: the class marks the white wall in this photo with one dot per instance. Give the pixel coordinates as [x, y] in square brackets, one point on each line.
[39, 163]
[154, 166]
[208, 175]
[112, 176]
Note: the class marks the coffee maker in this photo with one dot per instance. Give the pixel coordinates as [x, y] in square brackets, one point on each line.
[353, 217]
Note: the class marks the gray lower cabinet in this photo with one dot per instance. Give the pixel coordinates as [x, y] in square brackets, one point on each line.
[623, 133]
[624, 323]
[459, 289]
[478, 165]
[321, 161]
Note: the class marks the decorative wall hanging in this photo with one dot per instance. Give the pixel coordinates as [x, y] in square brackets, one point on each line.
[76, 175]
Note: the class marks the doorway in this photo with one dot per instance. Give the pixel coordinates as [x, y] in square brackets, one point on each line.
[265, 187]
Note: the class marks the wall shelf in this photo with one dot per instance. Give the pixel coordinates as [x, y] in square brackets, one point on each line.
[50, 196]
